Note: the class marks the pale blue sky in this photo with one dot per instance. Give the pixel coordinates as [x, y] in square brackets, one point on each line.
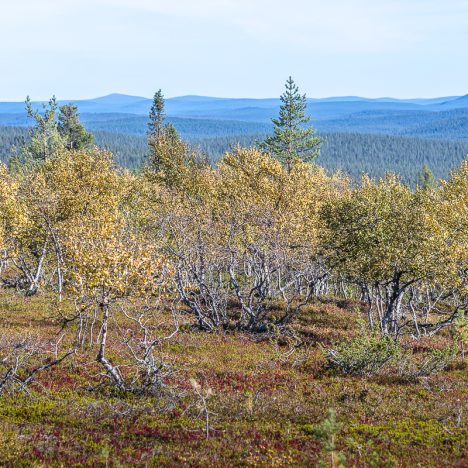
[233, 48]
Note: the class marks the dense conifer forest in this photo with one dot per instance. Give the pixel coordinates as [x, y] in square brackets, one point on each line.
[352, 153]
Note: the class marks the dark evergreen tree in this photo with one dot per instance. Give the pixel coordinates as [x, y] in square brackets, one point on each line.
[73, 133]
[426, 178]
[292, 138]
[156, 117]
[163, 139]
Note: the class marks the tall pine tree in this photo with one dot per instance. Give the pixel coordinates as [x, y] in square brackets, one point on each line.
[165, 144]
[291, 137]
[156, 117]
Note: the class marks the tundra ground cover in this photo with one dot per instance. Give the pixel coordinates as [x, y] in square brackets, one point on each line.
[266, 396]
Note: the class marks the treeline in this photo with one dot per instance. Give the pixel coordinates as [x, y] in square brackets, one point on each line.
[376, 155]
[353, 154]
[11, 138]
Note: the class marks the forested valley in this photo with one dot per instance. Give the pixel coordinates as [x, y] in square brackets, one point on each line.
[351, 153]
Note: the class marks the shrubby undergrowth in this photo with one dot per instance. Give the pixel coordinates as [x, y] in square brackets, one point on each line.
[371, 355]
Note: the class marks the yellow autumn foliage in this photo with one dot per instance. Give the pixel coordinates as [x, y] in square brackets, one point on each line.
[79, 217]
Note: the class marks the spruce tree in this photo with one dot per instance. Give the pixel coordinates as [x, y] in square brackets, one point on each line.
[73, 133]
[426, 179]
[156, 117]
[164, 142]
[291, 137]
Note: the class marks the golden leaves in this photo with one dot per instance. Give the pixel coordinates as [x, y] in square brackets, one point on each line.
[383, 228]
[116, 230]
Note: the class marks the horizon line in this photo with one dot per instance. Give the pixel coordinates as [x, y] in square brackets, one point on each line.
[237, 98]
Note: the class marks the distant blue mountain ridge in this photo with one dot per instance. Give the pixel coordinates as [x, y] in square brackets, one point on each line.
[203, 116]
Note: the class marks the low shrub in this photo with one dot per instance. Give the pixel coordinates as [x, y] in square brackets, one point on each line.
[365, 355]
[370, 354]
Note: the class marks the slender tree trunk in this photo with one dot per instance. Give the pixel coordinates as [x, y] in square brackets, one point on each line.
[393, 294]
[34, 286]
[112, 371]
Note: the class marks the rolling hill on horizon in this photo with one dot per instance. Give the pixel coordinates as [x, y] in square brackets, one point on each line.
[204, 116]
[206, 105]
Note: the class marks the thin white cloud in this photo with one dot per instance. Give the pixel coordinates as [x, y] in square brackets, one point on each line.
[318, 26]
[327, 26]
[226, 47]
